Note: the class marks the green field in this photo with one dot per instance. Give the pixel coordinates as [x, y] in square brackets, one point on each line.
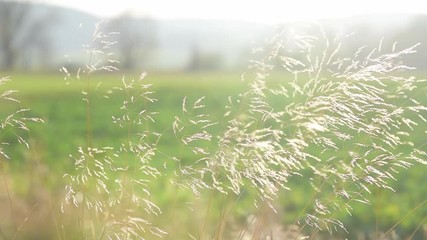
[35, 176]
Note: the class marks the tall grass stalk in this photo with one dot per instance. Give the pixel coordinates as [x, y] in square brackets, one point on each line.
[13, 131]
[293, 128]
[383, 236]
[112, 182]
[340, 126]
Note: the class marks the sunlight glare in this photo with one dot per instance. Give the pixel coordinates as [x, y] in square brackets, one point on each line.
[268, 11]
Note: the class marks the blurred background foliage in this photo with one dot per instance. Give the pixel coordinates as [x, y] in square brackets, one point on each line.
[40, 37]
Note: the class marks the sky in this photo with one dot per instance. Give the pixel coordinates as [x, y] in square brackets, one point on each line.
[269, 11]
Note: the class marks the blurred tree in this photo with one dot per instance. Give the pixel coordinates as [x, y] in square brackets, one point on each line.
[195, 61]
[203, 61]
[136, 39]
[22, 34]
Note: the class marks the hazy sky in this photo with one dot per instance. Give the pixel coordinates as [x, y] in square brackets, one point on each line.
[253, 10]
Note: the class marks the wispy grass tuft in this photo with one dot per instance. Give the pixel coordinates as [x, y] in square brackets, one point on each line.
[111, 184]
[13, 131]
[340, 126]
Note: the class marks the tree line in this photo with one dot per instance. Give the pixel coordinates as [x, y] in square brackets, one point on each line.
[25, 42]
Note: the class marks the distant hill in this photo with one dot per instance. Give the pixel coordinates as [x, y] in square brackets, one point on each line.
[226, 42]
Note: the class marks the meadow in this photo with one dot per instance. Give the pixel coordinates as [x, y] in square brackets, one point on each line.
[312, 149]
[36, 177]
